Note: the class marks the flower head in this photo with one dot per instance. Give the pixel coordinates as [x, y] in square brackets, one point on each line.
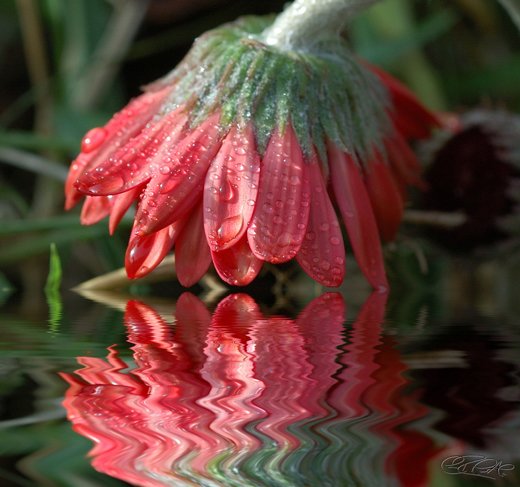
[237, 156]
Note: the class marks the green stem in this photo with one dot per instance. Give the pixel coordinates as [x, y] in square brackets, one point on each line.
[307, 22]
[513, 8]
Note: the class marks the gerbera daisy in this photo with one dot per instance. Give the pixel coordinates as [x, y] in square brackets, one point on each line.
[238, 155]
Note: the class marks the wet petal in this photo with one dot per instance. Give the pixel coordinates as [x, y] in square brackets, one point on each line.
[120, 205]
[169, 196]
[385, 197]
[358, 216]
[237, 265]
[281, 213]
[145, 252]
[192, 255]
[231, 189]
[322, 254]
[121, 127]
[94, 209]
[138, 159]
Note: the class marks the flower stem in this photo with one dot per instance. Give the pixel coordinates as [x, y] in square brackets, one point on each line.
[307, 22]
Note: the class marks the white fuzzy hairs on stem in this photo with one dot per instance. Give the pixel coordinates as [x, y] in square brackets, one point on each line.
[305, 22]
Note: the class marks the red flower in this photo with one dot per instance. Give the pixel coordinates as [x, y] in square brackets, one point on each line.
[237, 156]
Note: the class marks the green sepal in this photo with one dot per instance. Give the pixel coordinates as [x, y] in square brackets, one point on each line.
[326, 95]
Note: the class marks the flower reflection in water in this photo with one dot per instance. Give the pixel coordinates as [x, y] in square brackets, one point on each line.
[238, 398]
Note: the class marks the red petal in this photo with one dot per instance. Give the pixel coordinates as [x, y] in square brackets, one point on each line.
[72, 195]
[384, 194]
[354, 204]
[138, 159]
[120, 205]
[411, 118]
[281, 213]
[123, 126]
[237, 265]
[170, 196]
[192, 255]
[231, 188]
[145, 253]
[403, 160]
[94, 209]
[322, 254]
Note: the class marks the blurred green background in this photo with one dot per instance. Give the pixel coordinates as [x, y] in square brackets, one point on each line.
[68, 65]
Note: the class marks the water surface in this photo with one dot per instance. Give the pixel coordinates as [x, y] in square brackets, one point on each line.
[233, 393]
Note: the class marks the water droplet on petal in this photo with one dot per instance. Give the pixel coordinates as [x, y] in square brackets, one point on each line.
[335, 240]
[93, 139]
[164, 170]
[226, 192]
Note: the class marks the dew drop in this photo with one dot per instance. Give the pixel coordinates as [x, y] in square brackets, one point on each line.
[335, 240]
[285, 239]
[230, 227]
[164, 170]
[226, 192]
[325, 265]
[93, 139]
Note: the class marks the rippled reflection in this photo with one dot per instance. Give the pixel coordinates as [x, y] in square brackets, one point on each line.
[235, 397]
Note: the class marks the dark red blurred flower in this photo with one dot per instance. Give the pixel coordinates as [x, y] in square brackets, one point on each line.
[476, 172]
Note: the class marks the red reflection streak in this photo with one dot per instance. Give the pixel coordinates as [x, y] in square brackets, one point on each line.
[223, 387]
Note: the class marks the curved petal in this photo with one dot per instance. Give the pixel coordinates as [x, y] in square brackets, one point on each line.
[120, 205]
[94, 209]
[281, 213]
[231, 189]
[171, 194]
[237, 265]
[385, 197]
[138, 159]
[322, 254]
[99, 143]
[403, 160]
[358, 216]
[410, 116]
[192, 255]
[145, 252]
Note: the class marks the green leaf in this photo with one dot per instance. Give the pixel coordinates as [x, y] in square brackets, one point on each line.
[55, 272]
[52, 289]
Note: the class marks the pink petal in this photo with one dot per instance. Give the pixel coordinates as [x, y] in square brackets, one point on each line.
[145, 253]
[192, 255]
[169, 196]
[281, 213]
[385, 197]
[138, 159]
[237, 265]
[322, 254]
[120, 205]
[123, 126]
[72, 195]
[355, 208]
[231, 188]
[94, 209]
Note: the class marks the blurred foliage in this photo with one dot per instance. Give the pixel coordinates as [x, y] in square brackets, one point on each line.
[68, 65]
